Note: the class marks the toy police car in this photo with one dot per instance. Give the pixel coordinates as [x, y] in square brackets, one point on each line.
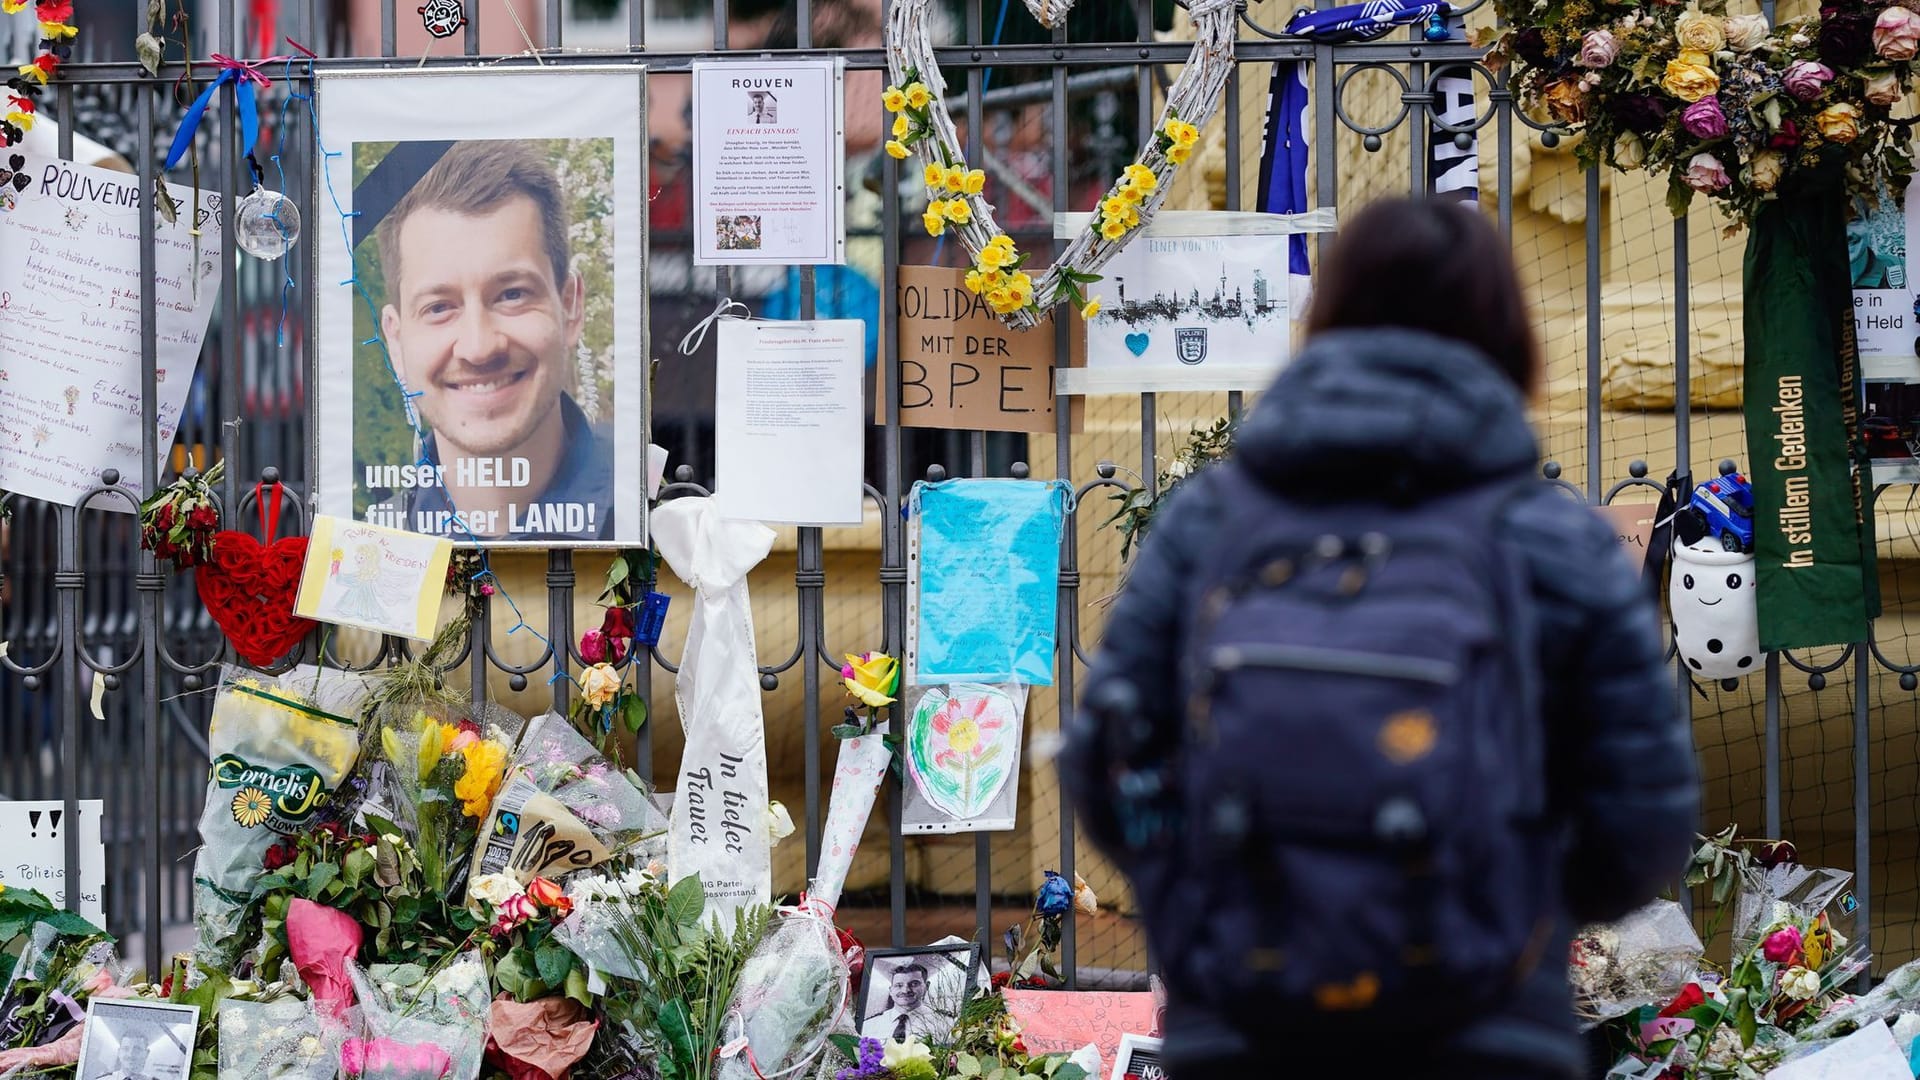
[1723, 508]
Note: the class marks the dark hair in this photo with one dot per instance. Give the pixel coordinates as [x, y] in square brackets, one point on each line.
[1437, 266]
[904, 968]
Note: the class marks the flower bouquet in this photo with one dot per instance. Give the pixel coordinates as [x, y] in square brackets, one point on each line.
[530, 962]
[62, 961]
[1643, 959]
[280, 746]
[284, 1039]
[420, 1024]
[562, 808]
[444, 769]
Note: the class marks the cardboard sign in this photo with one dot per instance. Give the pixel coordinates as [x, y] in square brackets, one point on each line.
[36, 856]
[1633, 527]
[1060, 1022]
[961, 368]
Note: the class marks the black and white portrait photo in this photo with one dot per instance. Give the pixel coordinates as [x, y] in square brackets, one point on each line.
[137, 1040]
[916, 993]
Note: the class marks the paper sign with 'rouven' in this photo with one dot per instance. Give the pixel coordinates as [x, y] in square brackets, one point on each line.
[961, 368]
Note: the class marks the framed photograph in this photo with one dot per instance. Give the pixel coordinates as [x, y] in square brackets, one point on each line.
[137, 1040]
[916, 992]
[480, 337]
[1138, 1059]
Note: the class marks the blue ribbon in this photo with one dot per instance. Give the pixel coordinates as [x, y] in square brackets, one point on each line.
[243, 78]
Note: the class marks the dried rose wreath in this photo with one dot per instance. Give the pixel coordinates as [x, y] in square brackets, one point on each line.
[916, 98]
[1727, 106]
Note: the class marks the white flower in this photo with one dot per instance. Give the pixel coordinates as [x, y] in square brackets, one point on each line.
[1839, 940]
[1800, 984]
[494, 889]
[779, 822]
[309, 1046]
[1179, 469]
[394, 839]
[896, 1054]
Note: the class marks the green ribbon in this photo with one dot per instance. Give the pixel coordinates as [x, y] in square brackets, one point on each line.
[1813, 541]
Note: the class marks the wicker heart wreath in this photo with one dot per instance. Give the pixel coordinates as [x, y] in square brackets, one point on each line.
[921, 125]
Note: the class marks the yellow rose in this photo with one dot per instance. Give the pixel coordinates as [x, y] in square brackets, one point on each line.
[993, 257]
[486, 764]
[1179, 154]
[1091, 309]
[1839, 122]
[954, 179]
[893, 99]
[935, 223]
[901, 126]
[959, 211]
[897, 149]
[1699, 31]
[1567, 101]
[599, 684]
[1687, 80]
[918, 95]
[975, 282]
[1113, 229]
[1765, 169]
[976, 182]
[871, 677]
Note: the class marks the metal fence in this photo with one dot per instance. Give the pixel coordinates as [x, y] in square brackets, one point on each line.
[83, 602]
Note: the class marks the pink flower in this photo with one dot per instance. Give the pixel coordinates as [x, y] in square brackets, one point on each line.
[1667, 1027]
[1705, 173]
[1704, 120]
[1883, 86]
[321, 940]
[1783, 946]
[593, 647]
[1806, 78]
[515, 910]
[1597, 49]
[386, 1059]
[1896, 33]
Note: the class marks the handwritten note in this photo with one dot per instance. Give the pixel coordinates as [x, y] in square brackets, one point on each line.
[962, 368]
[70, 293]
[372, 577]
[1633, 527]
[985, 580]
[37, 852]
[1060, 1022]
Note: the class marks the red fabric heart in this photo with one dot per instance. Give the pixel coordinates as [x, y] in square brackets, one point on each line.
[249, 589]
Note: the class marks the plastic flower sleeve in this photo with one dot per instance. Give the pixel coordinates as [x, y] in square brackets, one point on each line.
[1769, 897]
[1642, 959]
[857, 774]
[602, 919]
[277, 1040]
[562, 808]
[279, 748]
[793, 991]
[407, 1012]
[1898, 993]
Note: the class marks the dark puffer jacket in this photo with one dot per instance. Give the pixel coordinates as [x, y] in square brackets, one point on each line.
[1400, 411]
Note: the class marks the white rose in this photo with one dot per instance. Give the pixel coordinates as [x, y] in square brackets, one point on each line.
[1179, 469]
[1800, 984]
[896, 1054]
[1765, 169]
[779, 822]
[494, 889]
[1746, 33]
[1883, 87]
[1629, 152]
[1695, 29]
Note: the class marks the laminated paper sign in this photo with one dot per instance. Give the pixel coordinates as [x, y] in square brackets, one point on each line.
[373, 577]
[71, 366]
[37, 852]
[769, 150]
[963, 369]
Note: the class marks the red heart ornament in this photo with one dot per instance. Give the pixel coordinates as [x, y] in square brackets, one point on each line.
[249, 588]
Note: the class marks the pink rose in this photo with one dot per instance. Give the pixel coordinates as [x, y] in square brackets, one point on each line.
[1782, 946]
[385, 1059]
[1705, 173]
[593, 647]
[1597, 49]
[321, 940]
[1896, 33]
[515, 910]
[1806, 78]
[1704, 119]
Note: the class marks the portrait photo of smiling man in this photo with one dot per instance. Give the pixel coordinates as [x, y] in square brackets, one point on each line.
[496, 311]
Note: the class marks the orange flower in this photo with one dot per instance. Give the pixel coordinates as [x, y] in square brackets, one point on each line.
[548, 894]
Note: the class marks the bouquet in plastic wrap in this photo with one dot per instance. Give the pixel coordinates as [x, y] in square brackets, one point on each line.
[280, 745]
[61, 963]
[419, 1024]
[1641, 959]
[561, 808]
[283, 1039]
[443, 767]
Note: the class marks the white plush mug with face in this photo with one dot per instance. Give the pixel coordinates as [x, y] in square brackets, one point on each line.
[1716, 617]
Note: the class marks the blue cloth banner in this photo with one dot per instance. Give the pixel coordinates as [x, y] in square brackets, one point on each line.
[989, 579]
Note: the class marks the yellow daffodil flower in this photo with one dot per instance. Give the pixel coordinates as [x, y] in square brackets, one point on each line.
[897, 149]
[955, 179]
[1002, 241]
[901, 126]
[976, 182]
[976, 281]
[959, 211]
[1091, 309]
[933, 175]
[894, 99]
[993, 257]
[935, 222]
[918, 95]
[1178, 154]
[1113, 229]
[1113, 206]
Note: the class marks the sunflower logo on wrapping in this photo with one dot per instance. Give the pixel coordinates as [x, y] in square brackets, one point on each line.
[251, 807]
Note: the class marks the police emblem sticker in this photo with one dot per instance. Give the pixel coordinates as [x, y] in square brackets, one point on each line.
[1190, 344]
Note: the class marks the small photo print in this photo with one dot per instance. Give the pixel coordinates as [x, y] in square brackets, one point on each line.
[137, 1040]
[916, 993]
[737, 232]
[763, 107]
[1139, 1059]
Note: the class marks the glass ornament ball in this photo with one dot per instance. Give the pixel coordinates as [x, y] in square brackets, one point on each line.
[267, 224]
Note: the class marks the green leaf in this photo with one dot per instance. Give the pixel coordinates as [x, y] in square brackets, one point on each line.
[1679, 195]
[1069, 1071]
[846, 1044]
[634, 709]
[552, 960]
[356, 866]
[576, 986]
[847, 731]
[518, 974]
[1745, 1022]
[678, 1032]
[966, 1065]
[318, 880]
[686, 900]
